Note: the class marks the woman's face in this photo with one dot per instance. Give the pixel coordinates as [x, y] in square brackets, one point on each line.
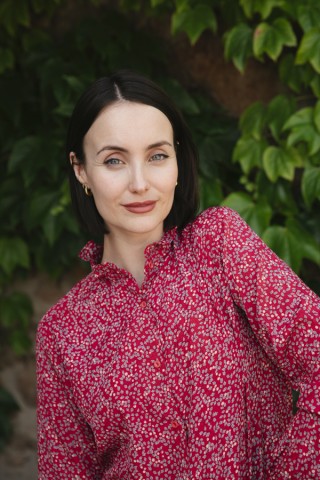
[131, 168]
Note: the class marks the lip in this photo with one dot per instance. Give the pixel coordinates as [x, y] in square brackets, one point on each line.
[140, 207]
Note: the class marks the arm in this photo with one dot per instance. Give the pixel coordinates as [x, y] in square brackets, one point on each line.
[285, 316]
[66, 445]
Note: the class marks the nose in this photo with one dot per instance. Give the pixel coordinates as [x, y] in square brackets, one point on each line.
[138, 182]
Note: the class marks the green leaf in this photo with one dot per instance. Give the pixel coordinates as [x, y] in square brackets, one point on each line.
[6, 59]
[13, 253]
[13, 14]
[309, 48]
[19, 341]
[130, 5]
[28, 159]
[16, 310]
[310, 248]
[211, 153]
[285, 244]
[238, 45]
[183, 99]
[315, 85]
[299, 119]
[278, 112]
[249, 152]
[306, 134]
[264, 7]
[310, 185]
[296, 77]
[52, 225]
[211, 193]
[39, 208]
[314, 160]
[156, 3]
[271, 38]
[308, 17]
[253, 120]
[194, 21]
[316, 116]
[303, 129]
[22, 149]
[257, 215]
[277, 162]
[279, 194]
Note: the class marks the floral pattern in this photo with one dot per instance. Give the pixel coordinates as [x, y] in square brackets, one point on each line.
[188, 376]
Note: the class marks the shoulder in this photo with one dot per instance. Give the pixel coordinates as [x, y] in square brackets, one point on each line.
[213, 224]
[204, 238]
[217, 233]
[215, 216]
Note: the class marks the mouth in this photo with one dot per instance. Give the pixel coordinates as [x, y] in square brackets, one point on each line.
[140, 207]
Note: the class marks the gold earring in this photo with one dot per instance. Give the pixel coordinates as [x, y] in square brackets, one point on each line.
[87, 190]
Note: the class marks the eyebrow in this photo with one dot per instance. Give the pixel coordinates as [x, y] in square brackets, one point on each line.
[121, 149]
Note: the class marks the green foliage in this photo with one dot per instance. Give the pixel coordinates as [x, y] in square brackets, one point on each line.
[238, 45]
[278, 149]
[7, 407]
[193, 18]
[272, 38]
[309, 48]
[16, 310]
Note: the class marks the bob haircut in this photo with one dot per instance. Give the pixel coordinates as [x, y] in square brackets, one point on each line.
[132, 87]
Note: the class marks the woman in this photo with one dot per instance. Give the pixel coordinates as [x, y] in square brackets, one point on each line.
[175, 357]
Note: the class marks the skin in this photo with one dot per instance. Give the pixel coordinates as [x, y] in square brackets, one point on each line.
[130, 158]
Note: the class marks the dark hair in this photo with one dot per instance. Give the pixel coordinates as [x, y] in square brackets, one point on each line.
[132, 87]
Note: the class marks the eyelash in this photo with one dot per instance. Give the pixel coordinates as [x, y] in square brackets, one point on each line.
[112, 161]
[163, 155]
[117, 161]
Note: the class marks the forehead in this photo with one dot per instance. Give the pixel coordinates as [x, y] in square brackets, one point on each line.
[125, 121]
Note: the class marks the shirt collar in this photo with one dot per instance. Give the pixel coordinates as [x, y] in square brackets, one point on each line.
[92, 252]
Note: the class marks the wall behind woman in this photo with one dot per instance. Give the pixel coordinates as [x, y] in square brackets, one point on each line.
[266, 165]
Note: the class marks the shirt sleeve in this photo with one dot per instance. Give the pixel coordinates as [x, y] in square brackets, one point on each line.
[285, 316]
[66, 447]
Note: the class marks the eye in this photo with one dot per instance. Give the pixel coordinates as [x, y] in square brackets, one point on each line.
[112, 161]
[158, 157]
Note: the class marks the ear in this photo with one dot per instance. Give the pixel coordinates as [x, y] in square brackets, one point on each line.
[78, 168]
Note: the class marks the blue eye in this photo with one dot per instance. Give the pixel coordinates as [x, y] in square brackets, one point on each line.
[159, 156]
[112, 161]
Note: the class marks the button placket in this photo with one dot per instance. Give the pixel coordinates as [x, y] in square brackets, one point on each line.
[157, 363]
[143, 304]
[175, 424]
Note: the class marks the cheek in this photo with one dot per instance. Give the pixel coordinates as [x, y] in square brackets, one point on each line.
[106, 187]
[169, 179]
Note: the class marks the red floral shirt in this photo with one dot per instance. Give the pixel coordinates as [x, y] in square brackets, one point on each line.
[188, 376]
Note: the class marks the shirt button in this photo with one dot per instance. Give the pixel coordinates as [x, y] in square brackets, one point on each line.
[157, 363]
[175, 424]
[143, 304]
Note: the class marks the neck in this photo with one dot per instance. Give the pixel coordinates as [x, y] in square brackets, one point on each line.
[127, 253]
